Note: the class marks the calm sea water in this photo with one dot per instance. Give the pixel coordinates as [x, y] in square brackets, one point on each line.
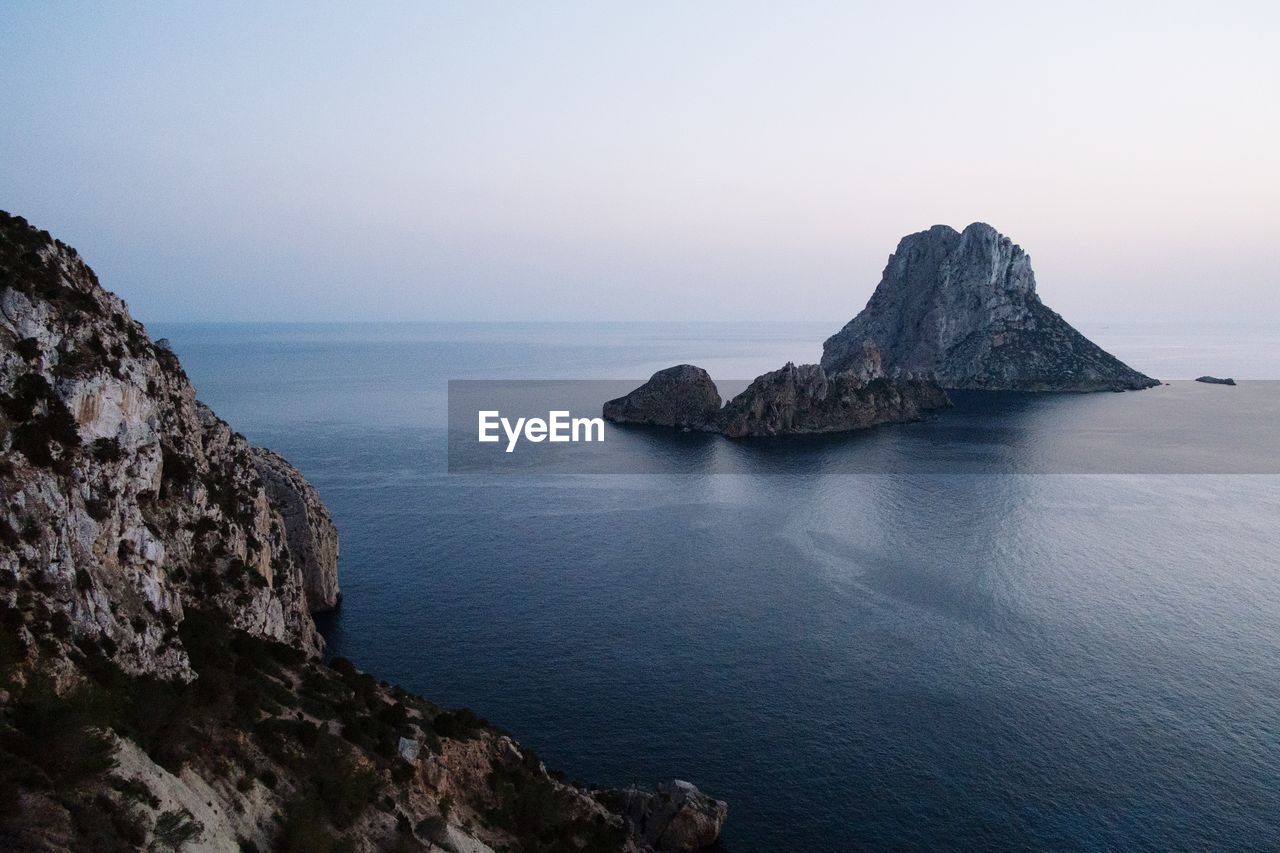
[853, 661]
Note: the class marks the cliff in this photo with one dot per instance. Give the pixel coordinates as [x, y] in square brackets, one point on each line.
[312, 538]
[125, 499]
[961, 309]
[161, 685]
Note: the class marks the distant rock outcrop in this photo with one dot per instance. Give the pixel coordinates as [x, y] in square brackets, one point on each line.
[952, 311]
[1213, 380]
[681, 396]
[961, 309]
[792, 400]
[804, 399]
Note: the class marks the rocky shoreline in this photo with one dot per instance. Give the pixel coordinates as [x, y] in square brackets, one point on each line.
[162, 684]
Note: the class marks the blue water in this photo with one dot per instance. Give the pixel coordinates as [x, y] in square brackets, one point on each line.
[907, 661]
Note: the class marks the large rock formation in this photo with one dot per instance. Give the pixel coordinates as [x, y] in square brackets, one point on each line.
[681, 396]
[952, 310]
[790, 401]
[160, 679]
[961, 309]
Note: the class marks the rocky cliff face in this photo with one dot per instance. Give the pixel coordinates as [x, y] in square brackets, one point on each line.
[312, 538]
[124, 498]
[160, 679]
[790, 401]
[961, 309]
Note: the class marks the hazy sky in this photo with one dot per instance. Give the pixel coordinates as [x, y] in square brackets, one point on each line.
[682, 160]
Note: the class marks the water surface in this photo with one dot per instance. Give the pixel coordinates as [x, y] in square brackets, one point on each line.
[929, 659]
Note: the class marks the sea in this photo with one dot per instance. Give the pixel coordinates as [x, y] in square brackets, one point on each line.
[1060, 631]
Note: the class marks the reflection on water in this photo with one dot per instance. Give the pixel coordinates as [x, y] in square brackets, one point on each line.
[1178, 428]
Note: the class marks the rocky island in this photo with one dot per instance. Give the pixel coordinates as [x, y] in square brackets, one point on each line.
[790, 401]
[162, 684]
[953, 311]
[961, 309]
[1214, 380]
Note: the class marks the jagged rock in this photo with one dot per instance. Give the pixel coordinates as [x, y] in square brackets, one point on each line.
[313, 540]
[793, 400]
[675, 817]
[804, 399]
[680, 396]
[124, 498]
[1213, 380]
[962, 309]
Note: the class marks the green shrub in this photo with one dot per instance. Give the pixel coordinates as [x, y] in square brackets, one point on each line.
[459, 724]
[303, 830]
[60, 737]
[344, 789]
[106, 450]
[175, 828]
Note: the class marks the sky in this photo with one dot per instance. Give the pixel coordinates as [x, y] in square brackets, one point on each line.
[642, 161]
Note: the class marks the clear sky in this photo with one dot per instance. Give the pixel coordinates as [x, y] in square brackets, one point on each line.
[643, 160]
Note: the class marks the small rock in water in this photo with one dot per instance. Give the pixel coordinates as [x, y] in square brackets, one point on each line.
[1213, 380]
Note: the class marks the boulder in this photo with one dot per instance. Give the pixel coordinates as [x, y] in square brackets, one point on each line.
[681, 396]
[408, 749]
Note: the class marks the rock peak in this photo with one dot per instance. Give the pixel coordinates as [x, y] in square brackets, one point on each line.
[961, 308]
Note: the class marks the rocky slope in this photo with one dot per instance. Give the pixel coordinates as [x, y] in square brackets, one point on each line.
[161, 685]
[961, 309]
[789, 401]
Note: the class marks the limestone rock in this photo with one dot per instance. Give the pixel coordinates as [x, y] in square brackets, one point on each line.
[133, 521]
[312, 537]
[680, 396]
[408, 749]
[675, 817]
[124, 499]
[962, 309]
